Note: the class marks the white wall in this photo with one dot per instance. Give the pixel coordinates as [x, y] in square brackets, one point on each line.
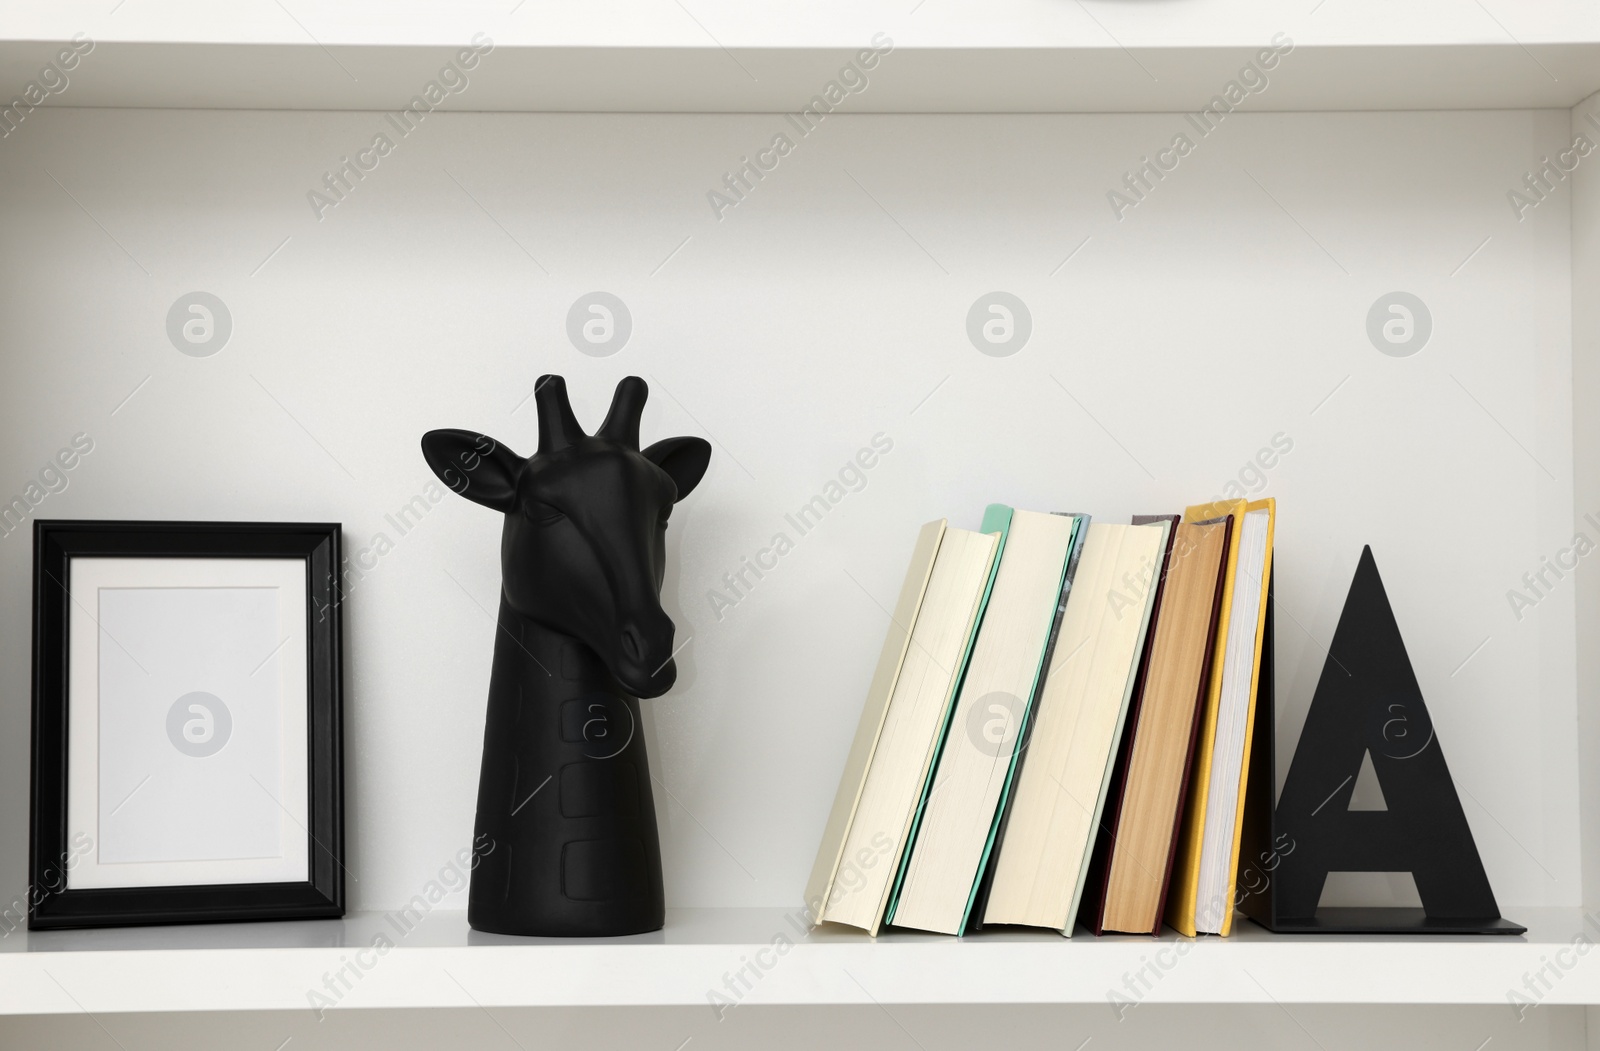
[826, 308]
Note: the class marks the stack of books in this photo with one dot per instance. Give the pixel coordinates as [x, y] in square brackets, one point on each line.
[1058, 729]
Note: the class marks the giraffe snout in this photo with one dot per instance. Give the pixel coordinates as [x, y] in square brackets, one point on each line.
[645, 649]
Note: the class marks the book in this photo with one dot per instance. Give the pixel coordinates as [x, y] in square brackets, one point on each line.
[996, 522]
[1061, 789]
[1184, 886]
[861, 871]
[954, 832]
[1143, 831]
[1241, 668]
[1080, 533]
[819, 888]
[1105, 834]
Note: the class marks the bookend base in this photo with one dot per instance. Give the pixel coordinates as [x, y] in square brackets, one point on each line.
[1387, 921]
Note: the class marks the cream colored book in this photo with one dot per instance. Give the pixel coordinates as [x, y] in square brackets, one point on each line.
[953, 836]
[1061, 787]
[819, 888]
[911, 731]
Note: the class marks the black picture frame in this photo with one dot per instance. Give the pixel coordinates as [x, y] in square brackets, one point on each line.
[52, 902]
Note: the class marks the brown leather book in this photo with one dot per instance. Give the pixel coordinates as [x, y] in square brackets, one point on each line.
[1158, 746]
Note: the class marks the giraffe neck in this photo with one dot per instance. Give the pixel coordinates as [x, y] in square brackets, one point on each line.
[543, 664]
[566, 825]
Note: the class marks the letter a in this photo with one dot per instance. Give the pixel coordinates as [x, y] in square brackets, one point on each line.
[1368, 703]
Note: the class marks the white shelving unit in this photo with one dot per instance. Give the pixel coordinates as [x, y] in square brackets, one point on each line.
[580, 155]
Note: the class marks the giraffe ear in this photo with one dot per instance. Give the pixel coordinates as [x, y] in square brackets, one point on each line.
[685, 459]
[474, 465]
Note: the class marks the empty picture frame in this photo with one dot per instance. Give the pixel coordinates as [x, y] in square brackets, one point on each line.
[186, 723]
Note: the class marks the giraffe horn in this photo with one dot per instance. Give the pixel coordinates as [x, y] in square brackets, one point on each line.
[622, 422]
[558, 427]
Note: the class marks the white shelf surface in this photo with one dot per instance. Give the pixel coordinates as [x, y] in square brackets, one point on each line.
[442, 963]
[719, 56]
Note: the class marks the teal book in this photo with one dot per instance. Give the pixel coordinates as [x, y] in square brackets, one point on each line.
[956, 826]
[1080, 533]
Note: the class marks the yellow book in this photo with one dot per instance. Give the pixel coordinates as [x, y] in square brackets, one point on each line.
[1270, 507]
[1185, 880]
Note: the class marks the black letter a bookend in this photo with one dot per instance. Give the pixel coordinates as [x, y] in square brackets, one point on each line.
[1367, 703]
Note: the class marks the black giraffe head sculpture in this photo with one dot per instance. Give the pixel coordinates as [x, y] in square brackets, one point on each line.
[566, 833]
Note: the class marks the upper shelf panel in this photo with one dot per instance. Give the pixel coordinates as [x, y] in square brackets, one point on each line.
[906, 80]
[825, 24]
[1019, 56]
